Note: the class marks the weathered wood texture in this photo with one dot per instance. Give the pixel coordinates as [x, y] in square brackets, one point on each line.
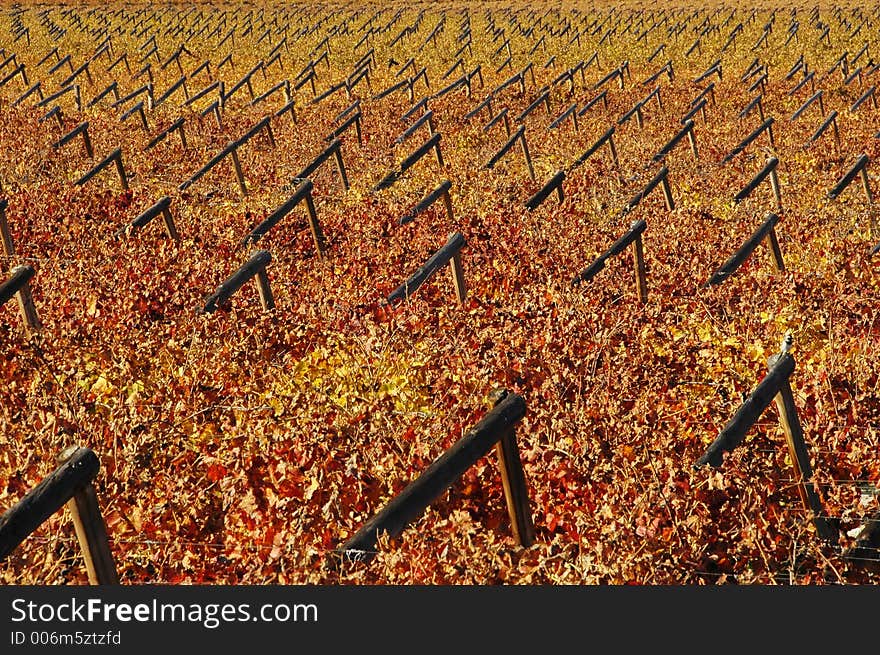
[410, 503]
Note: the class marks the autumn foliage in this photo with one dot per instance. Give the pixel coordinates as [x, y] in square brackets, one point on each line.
[245, 446]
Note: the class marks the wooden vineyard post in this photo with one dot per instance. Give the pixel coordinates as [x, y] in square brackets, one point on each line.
[870, 93]
[231, 150]
[641, 278]
[501, 116]
[433, 143]
[766, 126]
[289, 108]
[661, 179]
[699, 107]
[315, 226]
[236, 163]
[632, 236]
[520, 136]
[340, 166]
[160, 208]
[693, 141]
[120, 169]
[447, 253]
[18, 285]
[36, 88]
[55, 113]
[251, 268]
[817, 98]
[777, 193]
[758, 102]
[83, 129]
[441, 191]
[608, 138]
[766, 229]
[303, 192]
[410, 503]
[353, 119]
[113, 157]
[5, 234]
[526, 155]
[447, 201]
[603, 96]
[800, 460]
[458, 277]
[687, 130]
[333, 148]
[769, 170]
[635, 111]
[139, 109]
[775, 251]
[866, 185]
[860, 168]
[555, 183]
[667, 193]
[264, 290]
[176, 126]
[513, 479]
[215, 108]
[570, 112]
[831, 120]
[774, 386]
[69, 484]
[543, 98]
[90, 530]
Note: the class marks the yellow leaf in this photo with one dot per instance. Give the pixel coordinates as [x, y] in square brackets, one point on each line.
[102, 387]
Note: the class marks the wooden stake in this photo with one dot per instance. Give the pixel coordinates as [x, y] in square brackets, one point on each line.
[408, 505]
[91, 531]
[340, 165]
[693, 141]
[775, 251]
[866, 185]
[800, 460]
[447, 200]
[774, 183]
[513, 480]
[314, 226]
[238, 174]
[270, 135]
[525, 149]
[88, 143]
[613, 151]
[143, 119]
[170, 229]
[121, 170]
[458, 277]
[667, 194]
[265, 291]
[641, 282]
[836, 135]
[437, 153]
[28, 309]
[5, 234]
